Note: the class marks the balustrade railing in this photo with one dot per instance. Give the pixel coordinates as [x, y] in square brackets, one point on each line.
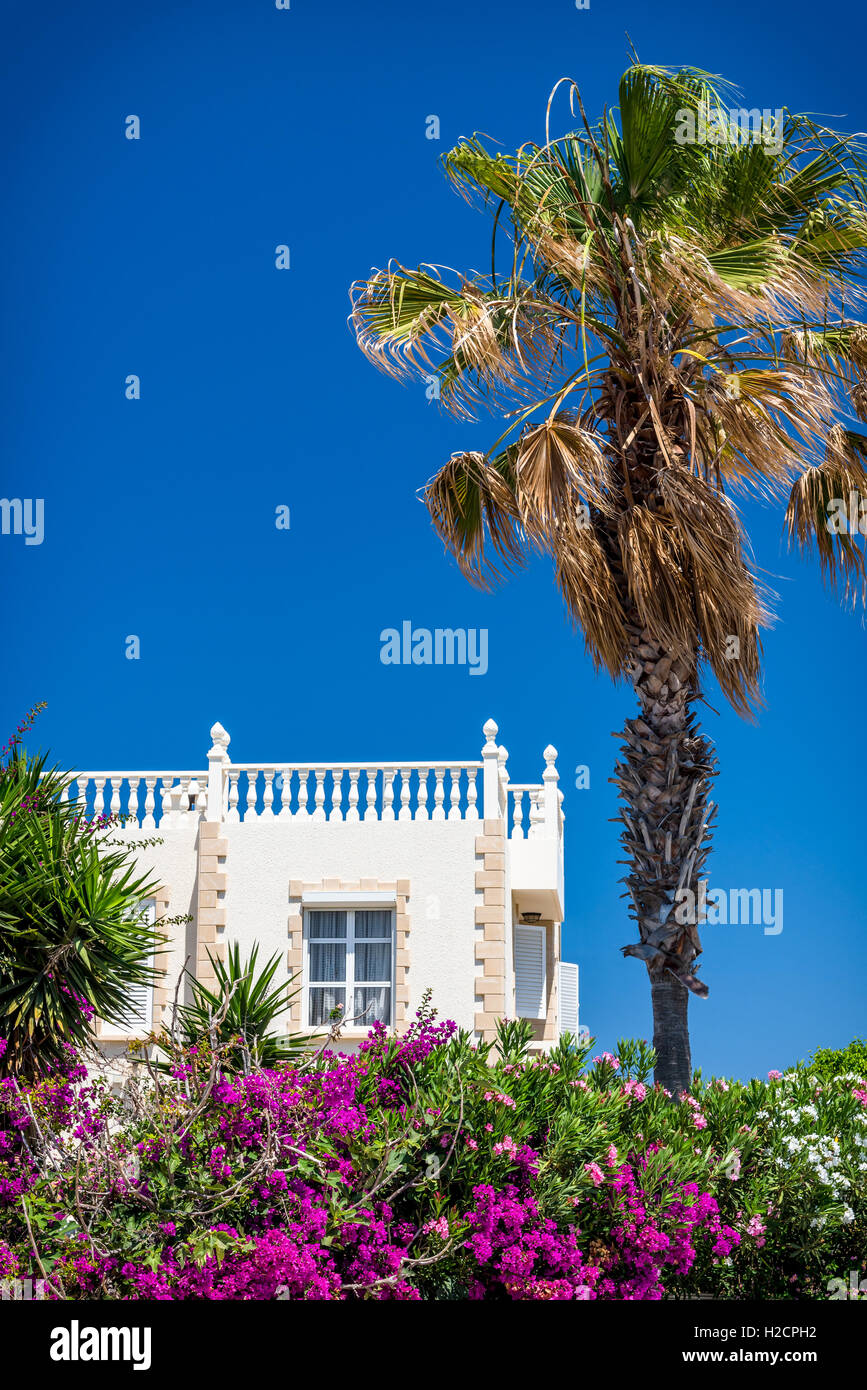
[143, 799]
[352, 792]
[346, 792]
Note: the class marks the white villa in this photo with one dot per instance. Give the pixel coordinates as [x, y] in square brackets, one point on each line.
[372, 881]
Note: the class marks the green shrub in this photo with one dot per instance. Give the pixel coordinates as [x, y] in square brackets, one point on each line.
[830, 1062]
[239, 1012]
[72, 938]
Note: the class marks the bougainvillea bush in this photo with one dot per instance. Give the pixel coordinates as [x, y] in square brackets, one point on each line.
[426, 1168]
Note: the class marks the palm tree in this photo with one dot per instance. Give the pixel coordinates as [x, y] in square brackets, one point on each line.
[73, 937]
[671, 320]
[236, 1016]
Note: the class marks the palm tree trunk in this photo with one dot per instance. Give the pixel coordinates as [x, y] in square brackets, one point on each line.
[670, 1001]
[664, 778]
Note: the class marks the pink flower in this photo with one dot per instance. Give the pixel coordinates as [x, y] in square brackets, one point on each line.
[775, 1076]
[612, 1155]
[860, 1095]
[439, 1228]
[756, 1227]
[595, 1172]
[699, 1122]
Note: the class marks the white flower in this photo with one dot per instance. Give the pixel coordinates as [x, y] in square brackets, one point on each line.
[848, 1215]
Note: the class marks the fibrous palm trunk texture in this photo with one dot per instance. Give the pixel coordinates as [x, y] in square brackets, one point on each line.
[664, 776]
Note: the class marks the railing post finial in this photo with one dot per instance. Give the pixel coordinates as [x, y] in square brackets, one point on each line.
[551, 795]
[217, 756]
[490, 773]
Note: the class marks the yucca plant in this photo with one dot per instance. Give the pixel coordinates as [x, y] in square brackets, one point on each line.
[238, 1014]
[73, 940]
[666, 322]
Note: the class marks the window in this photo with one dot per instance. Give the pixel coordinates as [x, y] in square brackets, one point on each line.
[140, 1006]
[350, 964]
[530, 972]
[568, 997]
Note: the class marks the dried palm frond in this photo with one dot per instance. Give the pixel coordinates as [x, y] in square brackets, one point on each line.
[591, 593]
[823, 503]
[558, 464]
[762, 281]
[653, 563]
[771, 421]
[842, 346]
[730, 608]
[473, 508]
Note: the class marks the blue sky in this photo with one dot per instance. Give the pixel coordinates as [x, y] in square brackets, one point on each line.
[156, 257]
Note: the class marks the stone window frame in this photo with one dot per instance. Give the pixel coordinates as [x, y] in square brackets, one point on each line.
[335, 890]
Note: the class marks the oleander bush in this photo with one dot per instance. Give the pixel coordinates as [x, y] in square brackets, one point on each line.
[424, 1167]
[850, 1062]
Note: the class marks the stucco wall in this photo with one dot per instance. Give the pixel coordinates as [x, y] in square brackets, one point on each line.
[438, 859]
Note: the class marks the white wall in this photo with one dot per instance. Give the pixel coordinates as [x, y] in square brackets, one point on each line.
[438, 858]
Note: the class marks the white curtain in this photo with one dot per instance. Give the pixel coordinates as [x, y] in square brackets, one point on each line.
[326, 925]
[328, 960]
[372, 961]
[375, 922]
[322, 1001]
[373, 1004]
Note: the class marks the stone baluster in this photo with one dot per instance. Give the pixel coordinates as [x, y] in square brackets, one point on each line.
[98, 797]
[537, 815]
[319, 793]
[472, 794]
[421, 812]
[388, 776]
[370, 813]
[336, 793]
[78, 801]
[303, 774]
[352, 813]
[517, 815]
[405, 812]
[114, 805]
[503, 779]
[233, 815]
[132, 802]
[252, 793]
[285, 780]
[150, 802]
[455, 793]
[166, 816]
[199, 798]
[439, 794]
[268, 794]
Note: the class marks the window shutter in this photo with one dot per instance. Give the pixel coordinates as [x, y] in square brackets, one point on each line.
[568, 997]
[141, 996]
[529, 971]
